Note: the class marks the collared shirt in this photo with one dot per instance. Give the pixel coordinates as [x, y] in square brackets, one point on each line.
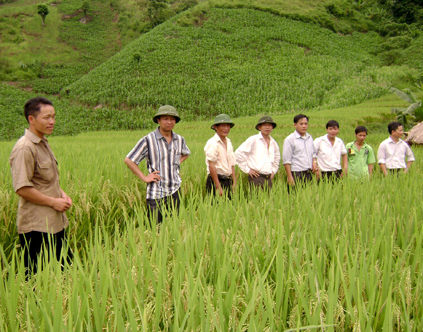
[393, 154]
[163, 157]
[358, 161]
[298, 151]
[255, 154]
[34, 165]
[223, 155]
[328, 155]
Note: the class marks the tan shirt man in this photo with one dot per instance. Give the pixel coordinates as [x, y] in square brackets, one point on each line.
[34, 165]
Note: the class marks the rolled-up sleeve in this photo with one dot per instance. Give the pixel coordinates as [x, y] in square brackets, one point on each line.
[211, 151]
[287, 152]
[409, 153]
[139, 152]
[277, 160]
[381, 154]
[241, 156]
[185, 150]
[22, 168]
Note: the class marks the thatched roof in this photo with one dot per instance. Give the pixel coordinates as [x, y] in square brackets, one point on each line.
[415, 135]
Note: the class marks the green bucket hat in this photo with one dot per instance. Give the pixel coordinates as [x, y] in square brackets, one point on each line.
[167, 110]
[222, 118]
[266, 119]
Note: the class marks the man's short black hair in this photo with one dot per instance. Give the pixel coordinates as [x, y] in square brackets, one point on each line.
[332, 123]
[33, 106]
[299, 117]
[393, 126]
[360, 129]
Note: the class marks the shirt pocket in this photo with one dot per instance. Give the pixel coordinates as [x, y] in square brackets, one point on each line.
[45, 169]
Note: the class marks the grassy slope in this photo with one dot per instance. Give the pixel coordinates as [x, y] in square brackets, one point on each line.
[241, 62]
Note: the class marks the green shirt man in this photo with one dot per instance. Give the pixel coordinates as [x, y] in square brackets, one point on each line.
[360, 156]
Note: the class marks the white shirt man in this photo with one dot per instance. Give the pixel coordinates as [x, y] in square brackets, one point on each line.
[259, 155]
[329, 152]
[393, 151]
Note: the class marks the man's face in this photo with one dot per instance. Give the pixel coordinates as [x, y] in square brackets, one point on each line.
[43, 123]
[166, 122]
[360, 137]
[265, 128]
[332, 132]
[222, 129]
[301, 126]
[398, 132]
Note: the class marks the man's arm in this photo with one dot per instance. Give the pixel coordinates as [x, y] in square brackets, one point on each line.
[152, 177]
[381, 157]
[215, 178]
[33, 195]
[383, 168]
[183, 157]
[291, 181]
[408, 166]
[344, 164]
[233, 178]
[370, 167]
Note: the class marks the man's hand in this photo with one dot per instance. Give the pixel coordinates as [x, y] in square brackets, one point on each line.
[61, 204]
[152, 177]
[253, 173]
[291, 181]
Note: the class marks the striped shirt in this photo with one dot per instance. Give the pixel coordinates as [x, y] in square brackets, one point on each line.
[162, 157]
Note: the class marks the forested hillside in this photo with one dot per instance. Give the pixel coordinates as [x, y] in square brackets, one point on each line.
[205, 57]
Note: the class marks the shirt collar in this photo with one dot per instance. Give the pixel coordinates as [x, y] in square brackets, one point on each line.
[160, 136]
[260, 135]
[33, 138]
[297, 135]
[390, 140]
[326, 138]
[218, 139]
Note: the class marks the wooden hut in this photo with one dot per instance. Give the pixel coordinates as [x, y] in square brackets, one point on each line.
[415, 135]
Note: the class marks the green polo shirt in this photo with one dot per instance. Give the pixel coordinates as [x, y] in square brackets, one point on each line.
[358, 161]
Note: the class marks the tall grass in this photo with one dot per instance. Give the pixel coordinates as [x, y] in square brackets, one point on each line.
[342, 257]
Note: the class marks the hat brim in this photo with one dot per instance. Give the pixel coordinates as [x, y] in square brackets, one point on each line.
[219, 123]
[272, 123]
[158, 116]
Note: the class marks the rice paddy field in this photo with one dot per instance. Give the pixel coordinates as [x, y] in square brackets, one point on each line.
[342, 257]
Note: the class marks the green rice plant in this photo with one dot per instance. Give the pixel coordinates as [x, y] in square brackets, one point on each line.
[328, 257]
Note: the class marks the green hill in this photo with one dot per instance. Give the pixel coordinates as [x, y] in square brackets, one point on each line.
[241, 62]
[238, 57]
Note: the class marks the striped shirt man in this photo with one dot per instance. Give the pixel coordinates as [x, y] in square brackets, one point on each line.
[162, 157]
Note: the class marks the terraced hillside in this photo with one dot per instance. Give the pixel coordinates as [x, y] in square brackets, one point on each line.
[241, 62]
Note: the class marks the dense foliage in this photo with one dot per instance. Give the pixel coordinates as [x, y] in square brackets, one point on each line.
[240, 62]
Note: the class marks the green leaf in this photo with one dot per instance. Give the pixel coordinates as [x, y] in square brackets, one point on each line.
[418, 113]
[405, 95]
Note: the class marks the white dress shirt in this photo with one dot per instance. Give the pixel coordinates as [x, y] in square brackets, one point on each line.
[255, 154]
[328, 155]
[223, 155]
[393, 154]
[298, 151]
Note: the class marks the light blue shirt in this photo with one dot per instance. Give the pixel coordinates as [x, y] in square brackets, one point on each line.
[298, 151]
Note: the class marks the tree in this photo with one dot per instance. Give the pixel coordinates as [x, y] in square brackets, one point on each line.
[43, 11]
[415, 110]
[85, 7]
[157, 11]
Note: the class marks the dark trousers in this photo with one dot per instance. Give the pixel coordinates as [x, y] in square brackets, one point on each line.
[34, 244]
[262, 181]
[396, 170]
[225, 183]
[331, 176]
[157, 207]
[301, 178]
